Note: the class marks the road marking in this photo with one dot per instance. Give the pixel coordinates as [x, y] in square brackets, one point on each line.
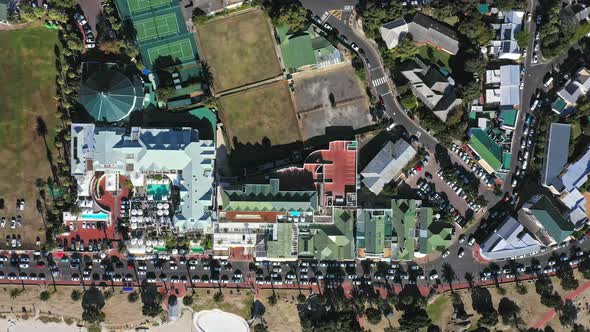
[375, 68]
[386, 93]
[325, 16]
[379, 81]
[336, 13]
[348, 8]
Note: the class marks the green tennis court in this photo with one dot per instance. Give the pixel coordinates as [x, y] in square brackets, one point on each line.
[156, 27]
[180, 50]
[140, 5]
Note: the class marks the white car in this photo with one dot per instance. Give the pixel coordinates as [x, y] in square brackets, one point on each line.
[446, 254]
[434, 276]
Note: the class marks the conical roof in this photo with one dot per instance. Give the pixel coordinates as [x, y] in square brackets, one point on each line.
[109, 95]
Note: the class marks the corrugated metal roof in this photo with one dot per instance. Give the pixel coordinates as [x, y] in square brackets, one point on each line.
[557, 153]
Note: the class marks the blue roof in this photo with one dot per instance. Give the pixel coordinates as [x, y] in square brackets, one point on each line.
[557, 153]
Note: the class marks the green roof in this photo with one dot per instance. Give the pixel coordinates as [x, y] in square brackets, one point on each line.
[404, 226]
[486, 148]
[556, 225]
[303, 48]
[329, 241]
[205, 113]
[269, 198]
[483, 8]
[433, 234]
[509, 117]
[3, 10]
[377, 227]
[506, 160]
[281, 247]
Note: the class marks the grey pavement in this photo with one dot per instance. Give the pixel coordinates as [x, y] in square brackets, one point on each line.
[92, 10]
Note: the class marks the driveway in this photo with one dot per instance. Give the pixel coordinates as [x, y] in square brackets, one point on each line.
[92, 10]
[331, 97]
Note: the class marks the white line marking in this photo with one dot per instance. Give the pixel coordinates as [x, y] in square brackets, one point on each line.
[379, 81]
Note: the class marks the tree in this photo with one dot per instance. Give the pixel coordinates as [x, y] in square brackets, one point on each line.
[15, 292]
[373, 315]
[470, 91]
[133, 297]
[272, 300]
[92, 303]
[293, 15]
[187, 301]
[413, 320]
[165, 92]
[409, 101]
[376, 16]
[469, 278]
[448, 274]
[522, 38]
[301, 298]
[566, 275]
[199, 16]
[510, 312]
[75, 295]
[261, 327]
[584, 268]
[44, 296]
[489, 319]
[405, 50]
[218, 297]
[151, 298]
[568, 313]
[476, 65]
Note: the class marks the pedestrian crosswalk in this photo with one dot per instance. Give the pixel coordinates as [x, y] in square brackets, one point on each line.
[325, 16]
[348, 8]
[379, 81]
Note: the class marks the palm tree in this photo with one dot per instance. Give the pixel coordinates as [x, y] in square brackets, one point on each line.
[15, 292]
[218, 297]
[495, 269]
[469, 279]
[448, 274]
[44, 296]
[76, 295]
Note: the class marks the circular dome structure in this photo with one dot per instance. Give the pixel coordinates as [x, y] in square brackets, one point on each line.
[109, 95]
[218, 321]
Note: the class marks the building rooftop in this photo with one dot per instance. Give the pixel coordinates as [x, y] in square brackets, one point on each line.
[576, 174]
[556, 154]
[333, 241]
[387, 164]
[508, 118]
[486, 148]
[509, 240]
[576, 87]
[545, 221]
[305, 48]
[424, 30]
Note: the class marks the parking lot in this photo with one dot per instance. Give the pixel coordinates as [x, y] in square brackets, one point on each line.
[331, 97]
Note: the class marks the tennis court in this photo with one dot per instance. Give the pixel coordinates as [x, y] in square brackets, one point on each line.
[156, 27]
[141, 5]
[179, 50]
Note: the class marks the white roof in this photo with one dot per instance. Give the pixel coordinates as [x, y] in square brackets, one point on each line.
[492, 96]
[387, 164]
[509, 240]
[218, 321]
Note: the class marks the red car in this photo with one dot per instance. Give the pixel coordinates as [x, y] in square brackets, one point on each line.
[418, 168]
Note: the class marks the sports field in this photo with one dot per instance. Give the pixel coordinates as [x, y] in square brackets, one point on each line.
[136, 6]
[178, 50]
[28, 68]
[267, 111]
[239, 49]
[156, 27]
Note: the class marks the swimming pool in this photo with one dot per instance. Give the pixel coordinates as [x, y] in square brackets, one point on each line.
[158, 190]
[94, 216]
[295, 213]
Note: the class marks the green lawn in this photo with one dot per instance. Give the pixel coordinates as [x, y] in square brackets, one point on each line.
[439, 58]
[436, 308]
[28, 72]
[239, 49]
[267, 111]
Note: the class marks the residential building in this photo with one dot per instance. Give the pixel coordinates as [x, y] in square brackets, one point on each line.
[556, 154]
[405, 231]
[503, 87]
[423, 30]
[510, 240]
[387, 165]
[307, 49]
[251, 212]
[508, 119]
[578, 10]
[543, 219]
[574, 88]
[488, 145]
[431, 87]
[156, 162]
[504, 45]
[331, 239]
[573, 194]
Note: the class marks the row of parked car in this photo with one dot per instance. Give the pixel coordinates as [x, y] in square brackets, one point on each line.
[427, 191]
[526, 147]
[457, 188]
[477, 170]
[89, 40]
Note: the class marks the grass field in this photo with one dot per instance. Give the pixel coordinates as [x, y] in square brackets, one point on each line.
[239, 49]
[266, 111]
[28, 71]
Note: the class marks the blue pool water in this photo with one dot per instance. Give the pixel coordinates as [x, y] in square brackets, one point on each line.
[94, 216]
[295, 213]
[158, 190]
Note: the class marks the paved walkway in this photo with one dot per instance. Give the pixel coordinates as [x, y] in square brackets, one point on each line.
[549, 315]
